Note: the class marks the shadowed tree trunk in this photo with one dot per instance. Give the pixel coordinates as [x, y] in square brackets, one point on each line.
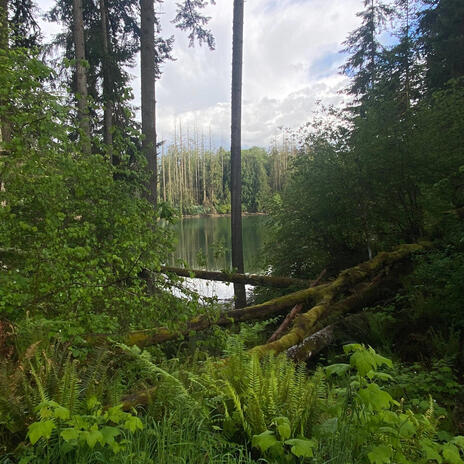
[235, 151]
[5, 127]
[147, 64]
[81, 75]
[107, 79]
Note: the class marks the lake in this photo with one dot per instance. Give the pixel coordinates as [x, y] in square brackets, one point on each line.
[204, 243]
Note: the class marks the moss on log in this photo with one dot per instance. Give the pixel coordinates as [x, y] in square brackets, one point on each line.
[332, 299]
[315, 343]
[319, 298]
[246, 279]
[141, 398]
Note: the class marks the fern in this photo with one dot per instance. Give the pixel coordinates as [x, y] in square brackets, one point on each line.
[259, 390]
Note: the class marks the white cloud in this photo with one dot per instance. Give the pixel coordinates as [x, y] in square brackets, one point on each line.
[290, 61]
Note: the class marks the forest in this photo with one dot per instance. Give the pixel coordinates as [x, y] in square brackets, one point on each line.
[350, 346]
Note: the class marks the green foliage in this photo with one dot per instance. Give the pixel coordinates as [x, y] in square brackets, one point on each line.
[253, 393]
[78, 235]
[381, 428]
[74, 431]
[278, 445]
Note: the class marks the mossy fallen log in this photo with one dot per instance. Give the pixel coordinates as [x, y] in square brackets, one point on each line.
[262, 311]
[315, 343]
[319, 298]
[141, 398]
[236, 278]
[332, 297]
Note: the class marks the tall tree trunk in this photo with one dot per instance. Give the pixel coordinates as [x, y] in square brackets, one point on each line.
[107, 80]
[5, 132]
[5, 127]
[147, 63]
[81, 76]
[235, 150]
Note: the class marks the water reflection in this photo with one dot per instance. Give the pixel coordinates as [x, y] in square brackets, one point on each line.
[204, 243]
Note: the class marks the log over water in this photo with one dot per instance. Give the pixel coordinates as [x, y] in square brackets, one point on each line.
[236, 278]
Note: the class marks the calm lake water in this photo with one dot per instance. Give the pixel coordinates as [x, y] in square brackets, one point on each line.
[204, 243]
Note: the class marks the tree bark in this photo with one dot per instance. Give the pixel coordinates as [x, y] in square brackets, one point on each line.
[107, 80]
[321, 339]
[147, 65]
[235, 150]
[81, 76]
[244, 279]
[286, 323]
[5, 126]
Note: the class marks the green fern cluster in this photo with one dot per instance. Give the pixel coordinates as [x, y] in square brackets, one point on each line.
[44, 372]
[253, 392]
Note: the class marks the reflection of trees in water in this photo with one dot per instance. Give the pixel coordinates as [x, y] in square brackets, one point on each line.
[204, 242]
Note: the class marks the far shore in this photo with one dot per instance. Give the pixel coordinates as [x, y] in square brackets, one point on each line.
[188, 216]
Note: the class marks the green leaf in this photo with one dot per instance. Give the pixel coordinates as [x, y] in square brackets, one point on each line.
[92, 437]
[380, 455]
[264, 440]
[337, 369]
[407, 429]
[302, 447]
[115, 414]
[451, 454]
[70, 434]
[375, 397]
[430, 451]
[363, 362]
[92, 402]
[41, 429]
[459, 441]
[109, 434]
[283, 427]
[61, 412]
[133, 423]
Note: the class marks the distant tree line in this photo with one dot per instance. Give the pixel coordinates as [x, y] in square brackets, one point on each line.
[195, 177]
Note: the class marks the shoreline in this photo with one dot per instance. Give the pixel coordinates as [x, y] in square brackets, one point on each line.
[189, 216]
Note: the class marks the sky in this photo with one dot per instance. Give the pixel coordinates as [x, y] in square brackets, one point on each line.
[291, 61]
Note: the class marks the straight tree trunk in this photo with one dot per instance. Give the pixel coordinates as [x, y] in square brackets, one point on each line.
[107, 79]
[5, 132]
[81, 76]
[235, 151]
[147, 63]
[5, 127]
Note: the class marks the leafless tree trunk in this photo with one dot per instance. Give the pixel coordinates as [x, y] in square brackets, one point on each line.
[107, 78]
[5, 133]
[81, 75]
[147, 63]
[235, 150]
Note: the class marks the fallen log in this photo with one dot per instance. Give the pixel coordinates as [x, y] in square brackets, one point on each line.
[262, 311]
[323, 295]
[234, 277]
[293, 313]
[286, 323]
[315, 343]
[141, 398]
[331, 298]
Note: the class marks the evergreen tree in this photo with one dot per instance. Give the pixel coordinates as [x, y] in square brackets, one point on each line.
[364, 49]
[442, 40]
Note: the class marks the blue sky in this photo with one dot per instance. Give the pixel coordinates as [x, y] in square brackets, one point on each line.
[291, 60]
